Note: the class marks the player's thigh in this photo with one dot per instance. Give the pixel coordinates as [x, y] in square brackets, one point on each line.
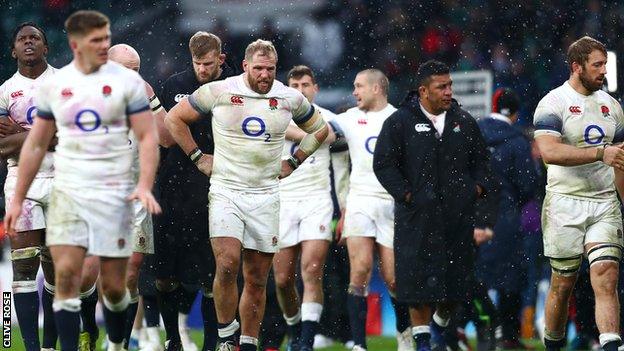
[256, 267]
[285, 265]
[68, 261]
[386, 263]
[564, 222]
[113, 274]
[313, 255]
[27, 239]
[361, 253]
[227, 253]
[90, 271]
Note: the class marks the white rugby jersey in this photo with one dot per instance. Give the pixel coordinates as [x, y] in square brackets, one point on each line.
[91, 115]
[581, 121]
[361, 130]
[311, 178]
[248, 130]
[16, 103]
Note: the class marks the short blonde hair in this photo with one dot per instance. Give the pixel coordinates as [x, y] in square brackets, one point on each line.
[264, 47]
[202, 43]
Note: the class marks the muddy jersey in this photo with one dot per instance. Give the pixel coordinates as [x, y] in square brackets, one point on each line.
[91, 114]
[16, 102]
[248, 130]
[581, 121]
[311, 178]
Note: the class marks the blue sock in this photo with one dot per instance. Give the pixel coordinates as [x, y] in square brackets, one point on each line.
[358, 309]
[49, 326]
[308, 330]
[89, 301]
[67, 316]
[115, 319]
[27, 309]
[130, 314]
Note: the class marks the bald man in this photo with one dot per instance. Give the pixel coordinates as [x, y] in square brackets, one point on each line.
[143, 242]
[368, 222]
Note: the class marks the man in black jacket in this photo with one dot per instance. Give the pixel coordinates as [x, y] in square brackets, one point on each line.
[431, 157]
[183, 255]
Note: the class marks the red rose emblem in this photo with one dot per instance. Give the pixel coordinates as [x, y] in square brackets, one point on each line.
[66, 93]
[605, 110]
[106, 90]
[272, 103]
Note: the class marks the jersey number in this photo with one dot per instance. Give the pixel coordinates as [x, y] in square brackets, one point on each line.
[255, 127]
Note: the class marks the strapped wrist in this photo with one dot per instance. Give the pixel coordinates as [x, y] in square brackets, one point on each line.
[600, 152]
[195, 155]
[293, 162]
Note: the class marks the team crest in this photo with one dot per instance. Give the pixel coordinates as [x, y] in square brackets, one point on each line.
[322, 228]
[107, 90]
[274, 241]
[142, 241]
[456, 128]
[605, 111]
[67, 93]
[273, 103]
[121, 243]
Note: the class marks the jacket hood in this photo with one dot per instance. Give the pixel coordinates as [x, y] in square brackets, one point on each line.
[497, 132]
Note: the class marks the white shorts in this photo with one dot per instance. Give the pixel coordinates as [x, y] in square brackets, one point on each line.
[250, 217]
[568, 224]
[34, 206]
[98, 220]
[307, 219]
[370, 216]
[142, 230]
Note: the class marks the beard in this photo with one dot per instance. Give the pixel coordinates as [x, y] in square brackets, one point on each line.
[255, 84]
[588, 83]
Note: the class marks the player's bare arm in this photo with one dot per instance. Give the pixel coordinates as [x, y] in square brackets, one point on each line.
[143, 126]
[164, 137]
[12, 137]
[32, 154]
[316, 132]
[556, 153]
[177, 122]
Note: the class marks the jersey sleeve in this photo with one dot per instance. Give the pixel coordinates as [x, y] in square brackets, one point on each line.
[203, 99]
[618, 137]
[302, 109]
[136, 98]
[42, 101]
[548, 117]
[4, 101]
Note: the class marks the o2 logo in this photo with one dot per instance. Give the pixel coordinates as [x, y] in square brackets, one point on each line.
[255, 127]
[88, 120]
[30, 114]
[594, 134]
[370, 144]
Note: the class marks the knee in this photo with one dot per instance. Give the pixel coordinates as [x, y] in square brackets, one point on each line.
[255, 285]
[605, 278]
[284, 280]
[113, 292]
[562, 287]
[312, 272]
[360, 271]
[25, 263]
[227, 269]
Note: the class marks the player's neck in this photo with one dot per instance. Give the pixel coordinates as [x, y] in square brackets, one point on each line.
[576, 84]
[84, 66]
[378, 106]
[33, 71]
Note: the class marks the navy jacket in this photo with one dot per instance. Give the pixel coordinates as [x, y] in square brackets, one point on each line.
[433, 237]
[499, 261]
